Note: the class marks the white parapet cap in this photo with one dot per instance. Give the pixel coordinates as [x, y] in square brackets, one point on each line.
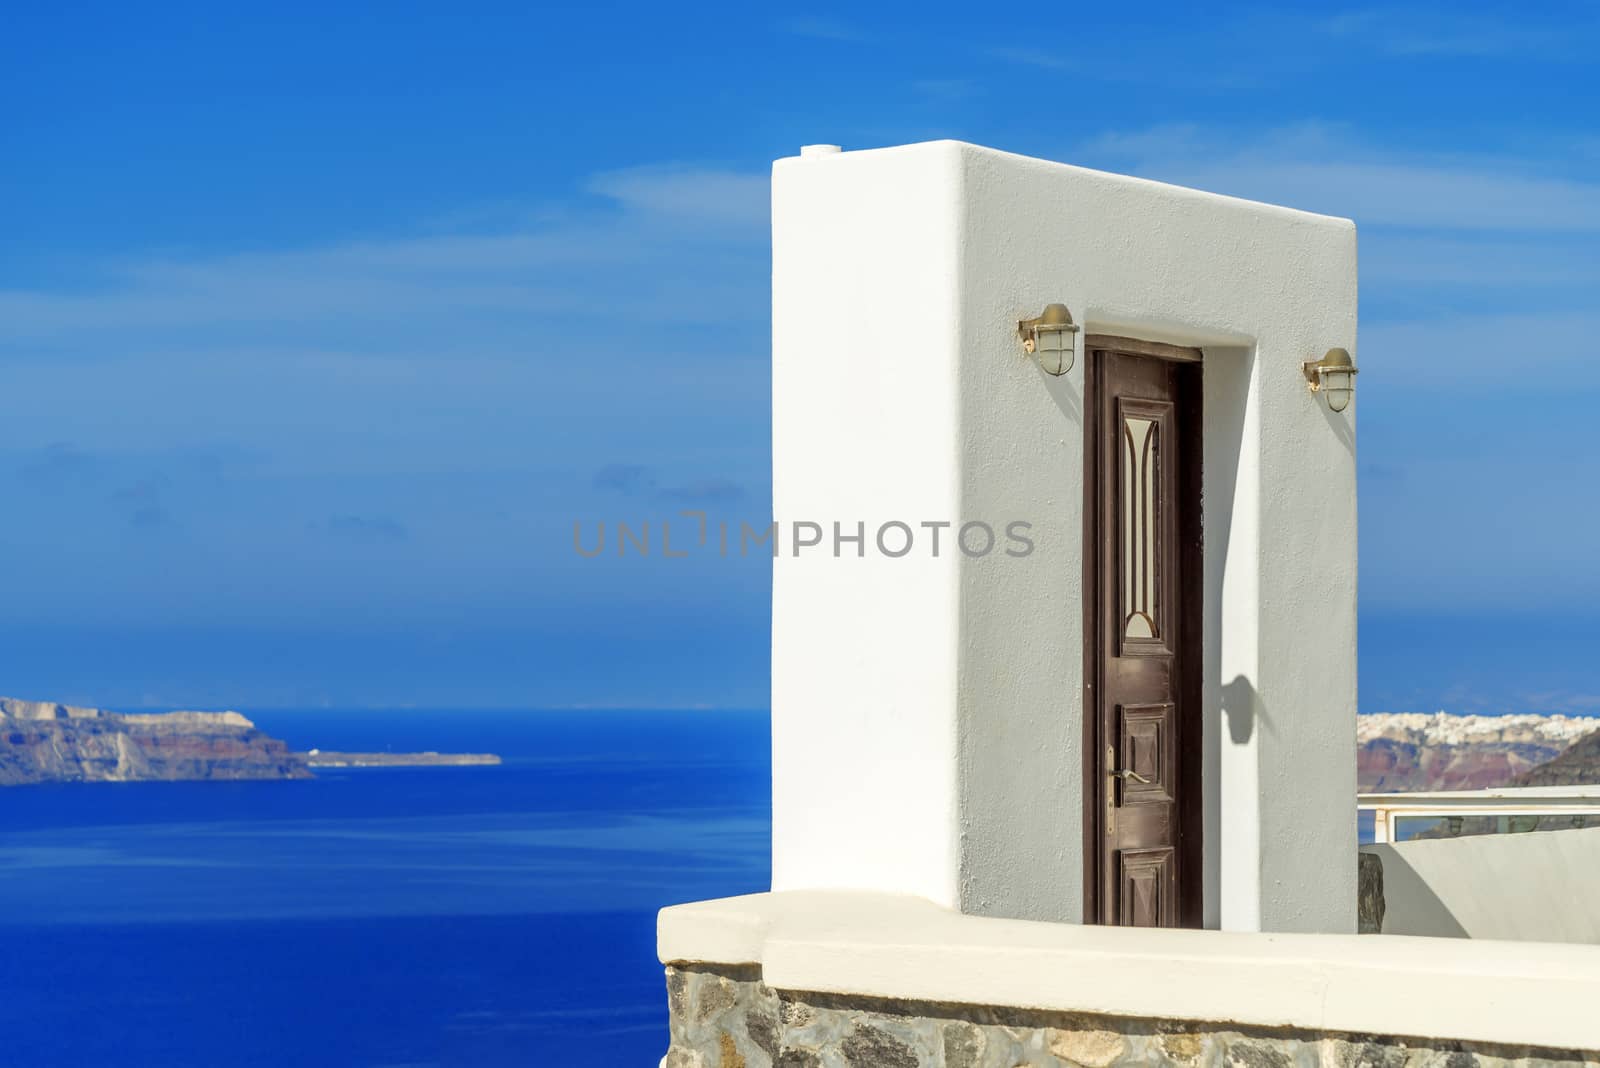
[905, 948]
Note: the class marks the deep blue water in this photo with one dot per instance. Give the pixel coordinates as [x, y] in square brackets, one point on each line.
[449, 916]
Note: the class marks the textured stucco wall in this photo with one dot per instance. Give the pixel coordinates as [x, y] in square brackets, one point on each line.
[728, 1018]
[864, 358]
[927, 713]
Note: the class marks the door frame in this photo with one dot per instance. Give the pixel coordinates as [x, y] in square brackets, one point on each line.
[1187, 686]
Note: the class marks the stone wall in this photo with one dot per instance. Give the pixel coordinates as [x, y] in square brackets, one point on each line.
[1369, 895]
[726, 1017]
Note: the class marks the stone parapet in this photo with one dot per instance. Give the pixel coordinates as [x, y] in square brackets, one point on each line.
[727, 1017]
[866, 956]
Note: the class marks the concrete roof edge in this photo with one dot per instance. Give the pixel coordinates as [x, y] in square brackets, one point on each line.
[1166, 188]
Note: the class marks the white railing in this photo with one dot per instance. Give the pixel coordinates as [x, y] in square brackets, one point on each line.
[1388, 809]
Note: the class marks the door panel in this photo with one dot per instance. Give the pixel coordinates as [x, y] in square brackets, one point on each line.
[1146, 752]
[1142, 595]
[1147, 888]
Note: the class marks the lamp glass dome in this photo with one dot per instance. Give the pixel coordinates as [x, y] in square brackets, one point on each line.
[1336, 379]
[1338, 385]
[1050, 338]
[1054, 349]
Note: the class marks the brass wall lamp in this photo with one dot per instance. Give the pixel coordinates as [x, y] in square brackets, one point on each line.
[1051, 338]
[1334, 376]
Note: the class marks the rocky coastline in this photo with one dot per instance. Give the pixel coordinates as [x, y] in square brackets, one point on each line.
[43, 742]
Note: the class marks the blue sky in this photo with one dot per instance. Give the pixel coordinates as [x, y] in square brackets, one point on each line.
[319, 327]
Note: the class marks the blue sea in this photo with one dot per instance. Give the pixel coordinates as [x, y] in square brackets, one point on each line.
[394, 917]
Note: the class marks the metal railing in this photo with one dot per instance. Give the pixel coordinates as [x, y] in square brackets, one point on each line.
[1507, 802]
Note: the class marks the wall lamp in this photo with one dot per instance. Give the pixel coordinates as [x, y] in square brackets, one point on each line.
[1334, 376]
[1050, 339]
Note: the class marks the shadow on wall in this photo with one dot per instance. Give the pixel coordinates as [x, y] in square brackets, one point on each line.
[1064, 392]
[1341, 423]
[1227, 372]
[1408, 905]
[1536, 886]
[1241, 706]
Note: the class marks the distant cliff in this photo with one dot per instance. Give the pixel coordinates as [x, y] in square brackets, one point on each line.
[44, 742]
[1577, 765]
[1412, 751]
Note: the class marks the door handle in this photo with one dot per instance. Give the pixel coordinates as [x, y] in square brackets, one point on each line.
[1113, 773]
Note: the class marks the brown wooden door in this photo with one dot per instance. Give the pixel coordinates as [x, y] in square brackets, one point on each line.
[1142, 601]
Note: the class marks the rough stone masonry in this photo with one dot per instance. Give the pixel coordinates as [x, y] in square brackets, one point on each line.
[726, 1017]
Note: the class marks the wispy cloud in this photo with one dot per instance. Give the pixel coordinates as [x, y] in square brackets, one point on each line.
[143, 503]
[1288, 44]
[1455, 246]
[57, 466]
[1430, 227]
[353, 378]
[1541, 263]
[625, 478]
[706, 491]
[1043, 58]
[142, 488]
[822, 29]
[673, 238]
[1414, 194]
[689, 194]
[1482, 352]
[1451, 31]
[636, 480]
[1319, 167]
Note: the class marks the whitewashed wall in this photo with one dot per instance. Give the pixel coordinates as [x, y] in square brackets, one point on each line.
[1535, 887]
[927, 712]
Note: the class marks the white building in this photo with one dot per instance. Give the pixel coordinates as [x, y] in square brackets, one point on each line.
[1121, 694]
[929, 713]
